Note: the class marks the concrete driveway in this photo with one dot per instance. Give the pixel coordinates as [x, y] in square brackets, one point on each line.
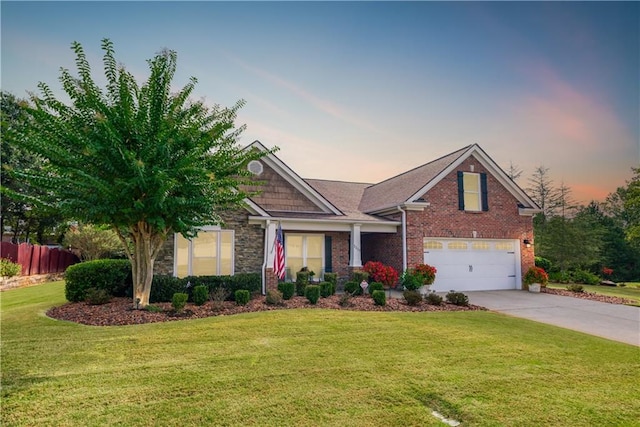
[613, 321]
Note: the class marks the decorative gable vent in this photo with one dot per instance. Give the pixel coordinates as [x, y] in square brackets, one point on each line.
[255, 167]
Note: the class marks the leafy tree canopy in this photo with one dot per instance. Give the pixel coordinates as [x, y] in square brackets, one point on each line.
[144, 160]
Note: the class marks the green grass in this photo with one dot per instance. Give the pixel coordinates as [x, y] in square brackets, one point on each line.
[307, 368]
[630, 291]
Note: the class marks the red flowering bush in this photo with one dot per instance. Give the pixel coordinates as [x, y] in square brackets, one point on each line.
[607, 271]
[536, 275]
[378, 272]
[426, 273]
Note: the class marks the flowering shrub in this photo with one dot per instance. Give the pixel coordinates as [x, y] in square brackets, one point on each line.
[536, 275]
[414, 278]
[378, 272]
[607, 271]
[426, 273]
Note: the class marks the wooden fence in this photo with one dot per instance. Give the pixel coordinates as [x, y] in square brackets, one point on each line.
[36, 259]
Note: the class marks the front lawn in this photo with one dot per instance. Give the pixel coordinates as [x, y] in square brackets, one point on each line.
[630, 291]
[308, 368]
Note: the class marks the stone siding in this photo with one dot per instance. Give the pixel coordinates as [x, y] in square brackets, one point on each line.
[248, 245]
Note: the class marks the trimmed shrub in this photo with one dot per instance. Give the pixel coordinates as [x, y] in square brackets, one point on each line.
[433, 299]
[312, 293]
[242, 296]
[302, 280]
[358, 276]
[412, 297]
[379, 297]
[353, 288]
[179, 301]
[575, 288]
[457, 298]
[97, 296]
[331, 278]
[287, 289]
[163, 287]
[273, 298]
[375, 286]
[8, 268]
[200, 294]
[410, 281]
[326, 289]
[112, 275]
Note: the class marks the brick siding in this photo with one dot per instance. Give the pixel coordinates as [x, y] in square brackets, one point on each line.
[443, 219]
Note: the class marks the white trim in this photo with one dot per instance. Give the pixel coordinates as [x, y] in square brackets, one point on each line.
[491, 166]
[516, 251]
[211, 228]
[295, 180]
[325, 225]
[254, 209]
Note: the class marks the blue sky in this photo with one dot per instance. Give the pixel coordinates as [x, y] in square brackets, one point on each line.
[362, 91]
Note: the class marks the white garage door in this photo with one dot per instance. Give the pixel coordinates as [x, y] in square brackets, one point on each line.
[472, 265]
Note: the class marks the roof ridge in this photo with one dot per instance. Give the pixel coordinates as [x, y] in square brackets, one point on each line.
[338, 180]
[424, 164]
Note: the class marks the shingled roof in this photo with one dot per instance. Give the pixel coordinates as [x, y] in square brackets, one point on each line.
[398, 189]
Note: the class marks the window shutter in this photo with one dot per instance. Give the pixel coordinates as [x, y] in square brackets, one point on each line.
[484, 192]
[460, 190]
[328, 267]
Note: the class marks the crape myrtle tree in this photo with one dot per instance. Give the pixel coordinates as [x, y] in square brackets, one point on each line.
[141, 159]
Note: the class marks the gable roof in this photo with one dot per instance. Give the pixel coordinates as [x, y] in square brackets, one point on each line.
[399, 189]
[409, 186]
[354, 201]
[295, 180]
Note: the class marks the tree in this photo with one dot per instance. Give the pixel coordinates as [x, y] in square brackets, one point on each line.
[90, 242]
[632, 208]
[143, 160]
[514, 171]
[543, 192]
[24, 218]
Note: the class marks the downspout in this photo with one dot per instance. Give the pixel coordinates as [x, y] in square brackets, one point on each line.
[266, 257]
[404, 237]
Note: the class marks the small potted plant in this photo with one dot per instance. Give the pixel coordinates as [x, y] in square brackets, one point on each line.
[535, 278]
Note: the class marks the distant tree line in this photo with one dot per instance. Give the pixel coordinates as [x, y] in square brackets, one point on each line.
[602, 238]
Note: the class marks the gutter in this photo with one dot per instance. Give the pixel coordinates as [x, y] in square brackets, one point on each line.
[404, 237]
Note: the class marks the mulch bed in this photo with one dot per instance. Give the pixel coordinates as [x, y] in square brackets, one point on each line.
[120, 312]
[588, 295]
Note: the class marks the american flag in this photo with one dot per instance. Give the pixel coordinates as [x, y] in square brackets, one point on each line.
[278, 261]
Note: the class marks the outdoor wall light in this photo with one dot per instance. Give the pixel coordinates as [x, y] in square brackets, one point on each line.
[527, 243]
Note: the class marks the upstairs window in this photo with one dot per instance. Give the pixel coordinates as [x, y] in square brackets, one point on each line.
[472, 192]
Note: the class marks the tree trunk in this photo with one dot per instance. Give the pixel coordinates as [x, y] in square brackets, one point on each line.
[147, 243]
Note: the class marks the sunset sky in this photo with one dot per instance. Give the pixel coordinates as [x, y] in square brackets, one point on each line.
[362, 91]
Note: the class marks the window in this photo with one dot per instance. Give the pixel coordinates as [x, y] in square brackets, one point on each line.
[504, 246]
[304, 250]
[480, 246]
[432, 244]
[472, 192]
[458, 246]
[209, 254]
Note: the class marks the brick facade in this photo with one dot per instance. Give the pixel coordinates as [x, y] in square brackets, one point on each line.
[443, 219]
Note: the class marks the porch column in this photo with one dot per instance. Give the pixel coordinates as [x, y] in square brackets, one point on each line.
[356, 249]
[269, 280]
